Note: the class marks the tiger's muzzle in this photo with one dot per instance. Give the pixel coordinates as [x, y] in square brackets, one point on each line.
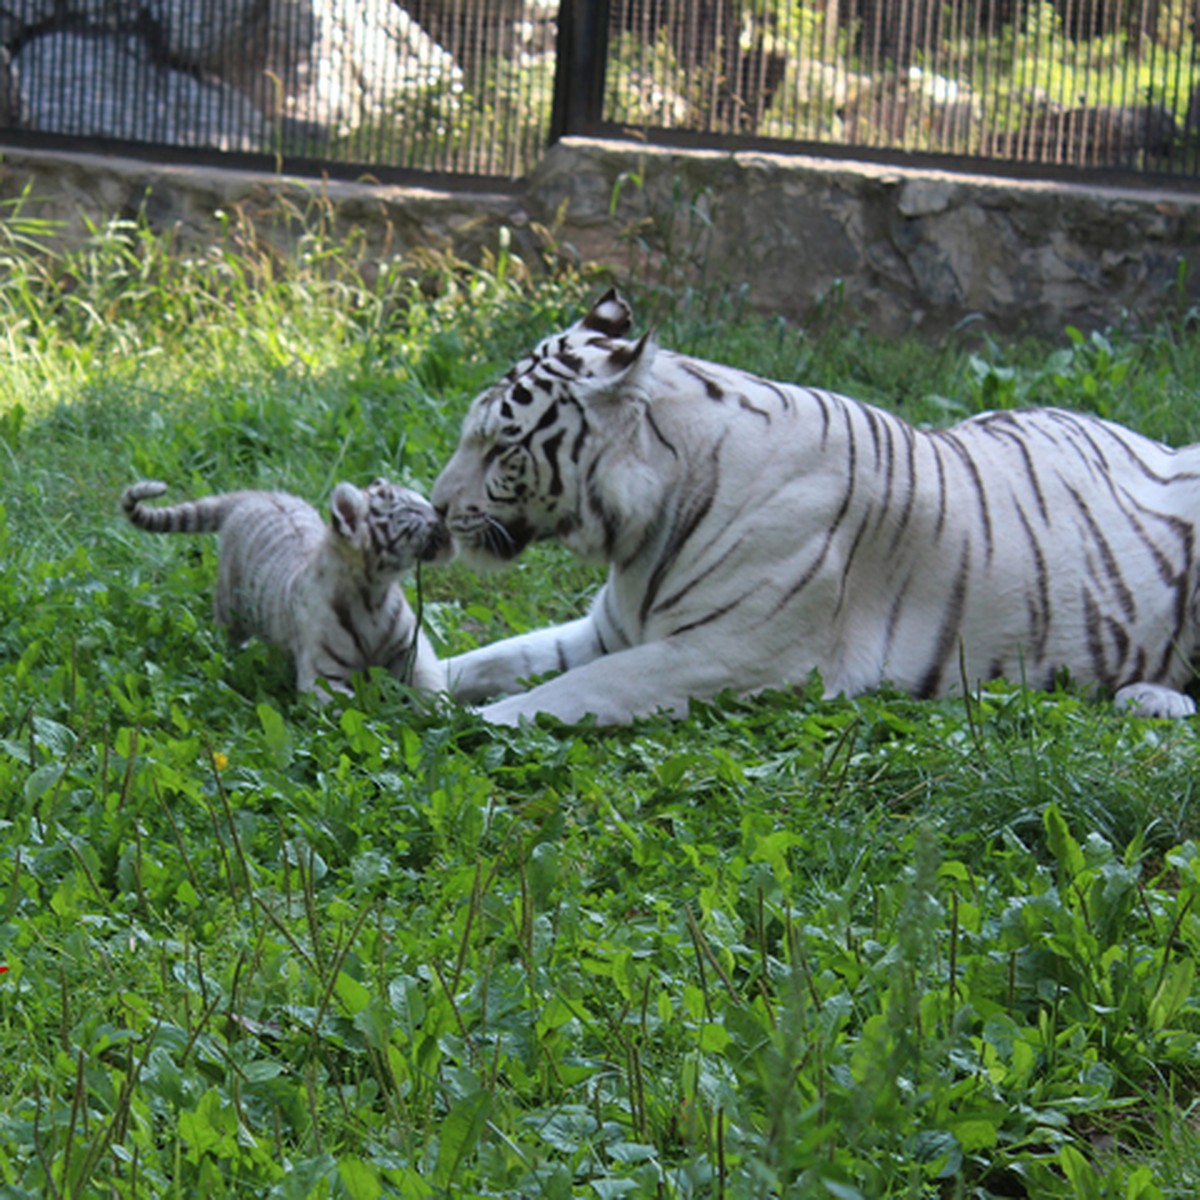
[487, 539]
[438, 546]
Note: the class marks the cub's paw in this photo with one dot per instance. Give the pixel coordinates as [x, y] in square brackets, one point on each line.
[1153, 700]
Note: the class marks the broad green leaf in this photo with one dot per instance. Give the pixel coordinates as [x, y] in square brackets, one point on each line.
[42, 779]
[211, 1127]
[611, 1189]
[974, 1134]
[1141, 1186]
[275, 733]
[59, 739]
[1085, 1182]
[1063, 846]
[631, 1152]
[359, 1178]
[954, 870]
[714, 1037]
[773, 849]
[351, 993]
[1173, 994]
[261, 1070]
[458, 1134]
[842, 1191]
[555, 1013]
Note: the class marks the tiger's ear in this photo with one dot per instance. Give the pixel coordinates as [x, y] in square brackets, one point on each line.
[347, 510]
[626, 370]
[610, 315]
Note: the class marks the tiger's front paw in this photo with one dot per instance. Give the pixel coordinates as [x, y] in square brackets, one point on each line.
[1153, 700]
[527, 707]
[504, 712]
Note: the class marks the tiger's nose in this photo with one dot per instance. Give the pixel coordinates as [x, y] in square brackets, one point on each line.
[439, 546]
[438, 494]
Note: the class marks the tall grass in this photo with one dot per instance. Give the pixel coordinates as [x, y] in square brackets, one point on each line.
[785, 947]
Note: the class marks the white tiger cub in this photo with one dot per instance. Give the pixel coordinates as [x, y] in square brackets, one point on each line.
[755, 531]
[329, 594]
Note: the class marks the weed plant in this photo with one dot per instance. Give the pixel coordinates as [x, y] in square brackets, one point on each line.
[786, 947]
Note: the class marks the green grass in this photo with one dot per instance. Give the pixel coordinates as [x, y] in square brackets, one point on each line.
[787, 947]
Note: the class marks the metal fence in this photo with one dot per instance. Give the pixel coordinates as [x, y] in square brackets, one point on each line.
[456, 87]
[476, 88]
[1087, 83]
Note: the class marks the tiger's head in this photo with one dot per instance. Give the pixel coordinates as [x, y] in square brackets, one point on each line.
[390, 528]
[528, 463]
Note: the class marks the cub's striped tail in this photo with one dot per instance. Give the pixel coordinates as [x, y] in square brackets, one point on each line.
[192, 516]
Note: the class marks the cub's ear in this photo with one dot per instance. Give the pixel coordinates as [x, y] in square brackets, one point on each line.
[610, 315]
[347, 510]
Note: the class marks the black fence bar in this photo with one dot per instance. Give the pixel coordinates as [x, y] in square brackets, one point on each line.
[580, 67]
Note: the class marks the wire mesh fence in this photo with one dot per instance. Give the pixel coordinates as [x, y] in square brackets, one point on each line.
[449, 86]
[475, 88]
[1101, 83]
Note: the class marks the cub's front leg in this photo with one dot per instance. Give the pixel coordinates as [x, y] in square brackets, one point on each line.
[498, 669]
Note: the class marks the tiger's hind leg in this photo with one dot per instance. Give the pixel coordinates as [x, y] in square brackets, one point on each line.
[1153, 700]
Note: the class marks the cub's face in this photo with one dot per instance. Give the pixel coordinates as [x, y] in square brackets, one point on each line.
[405, 528]
[393, 527]
[520, 472]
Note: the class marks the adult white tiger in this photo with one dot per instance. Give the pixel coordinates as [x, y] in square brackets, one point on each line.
[755, 531]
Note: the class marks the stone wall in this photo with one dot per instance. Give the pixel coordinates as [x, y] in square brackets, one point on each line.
[902, 249]
[200, 205]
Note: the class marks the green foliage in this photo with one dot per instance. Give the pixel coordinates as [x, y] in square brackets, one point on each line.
[787, 947]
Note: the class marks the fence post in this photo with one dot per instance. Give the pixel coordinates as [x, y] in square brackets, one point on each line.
[580, 61]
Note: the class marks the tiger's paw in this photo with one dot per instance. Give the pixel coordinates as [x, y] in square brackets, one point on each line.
[501, 712]
[1153, 700]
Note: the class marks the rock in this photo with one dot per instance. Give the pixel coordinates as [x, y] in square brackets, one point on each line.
[202, 35]
[233, 75]
[365, 56]
[115, 89]
[272, 63]
[10, 99]
[19, 17]
[924, 197]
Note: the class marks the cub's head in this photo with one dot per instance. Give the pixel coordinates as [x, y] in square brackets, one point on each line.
[393, 528]
[532, 446]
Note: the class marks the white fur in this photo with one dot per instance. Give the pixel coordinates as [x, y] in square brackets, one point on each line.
[318, 590]
[756, 532]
